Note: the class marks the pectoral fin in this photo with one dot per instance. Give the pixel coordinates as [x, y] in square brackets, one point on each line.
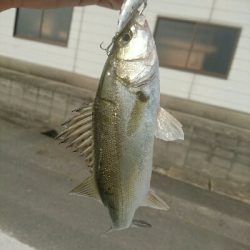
[168, 128]
[87, 188]
[154, 201]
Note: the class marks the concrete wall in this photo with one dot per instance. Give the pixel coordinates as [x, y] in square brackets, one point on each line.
[92, 25]
[38, 101]
[214, 155]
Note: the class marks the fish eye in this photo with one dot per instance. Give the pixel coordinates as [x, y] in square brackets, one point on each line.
[127, 36]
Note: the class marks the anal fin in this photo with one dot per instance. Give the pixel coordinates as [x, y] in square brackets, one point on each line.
[87, 188]
[154, 201]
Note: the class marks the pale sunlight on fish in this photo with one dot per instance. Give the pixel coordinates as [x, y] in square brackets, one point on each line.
[116, 133]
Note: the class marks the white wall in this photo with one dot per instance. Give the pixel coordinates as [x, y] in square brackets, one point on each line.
[235, 92]
[92, 25]
[36, 52]
[99, 25]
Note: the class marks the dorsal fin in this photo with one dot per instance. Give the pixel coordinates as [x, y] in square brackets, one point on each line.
[154, 201]
[78, 134]
[168, 128]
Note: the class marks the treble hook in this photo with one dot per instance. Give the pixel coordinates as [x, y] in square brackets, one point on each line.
[108, 48]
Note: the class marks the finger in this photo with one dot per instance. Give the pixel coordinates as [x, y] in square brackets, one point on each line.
[44, 4]
[116, 4]
[112, 4]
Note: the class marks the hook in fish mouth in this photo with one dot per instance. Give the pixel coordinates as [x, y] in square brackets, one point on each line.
[110, 46]
[107, 49]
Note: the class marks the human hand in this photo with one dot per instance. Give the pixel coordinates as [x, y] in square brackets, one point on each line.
[46, 4]
[112, 4]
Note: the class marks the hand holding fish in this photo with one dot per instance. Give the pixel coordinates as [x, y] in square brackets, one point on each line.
[46, 4]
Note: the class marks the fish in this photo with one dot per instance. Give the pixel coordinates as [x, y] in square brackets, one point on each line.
[116, 132]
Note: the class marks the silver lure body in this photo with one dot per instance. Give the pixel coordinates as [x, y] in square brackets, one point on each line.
[124, 120]
[128, 10]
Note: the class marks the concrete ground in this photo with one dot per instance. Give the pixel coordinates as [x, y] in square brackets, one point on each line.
[36, 210]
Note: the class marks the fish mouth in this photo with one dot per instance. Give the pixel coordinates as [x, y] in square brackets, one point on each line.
[128, 11]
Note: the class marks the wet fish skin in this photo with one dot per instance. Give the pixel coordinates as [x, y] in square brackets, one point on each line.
[124, 120]
[116, 133]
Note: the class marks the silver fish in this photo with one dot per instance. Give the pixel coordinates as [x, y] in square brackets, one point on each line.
[118, 140]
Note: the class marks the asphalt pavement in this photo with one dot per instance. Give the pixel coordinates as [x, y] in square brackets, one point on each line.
[36, 210]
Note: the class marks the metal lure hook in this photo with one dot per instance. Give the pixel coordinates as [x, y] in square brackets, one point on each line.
[108, 48]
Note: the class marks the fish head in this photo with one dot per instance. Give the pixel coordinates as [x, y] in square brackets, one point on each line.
[133, 42]
[134, 52]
